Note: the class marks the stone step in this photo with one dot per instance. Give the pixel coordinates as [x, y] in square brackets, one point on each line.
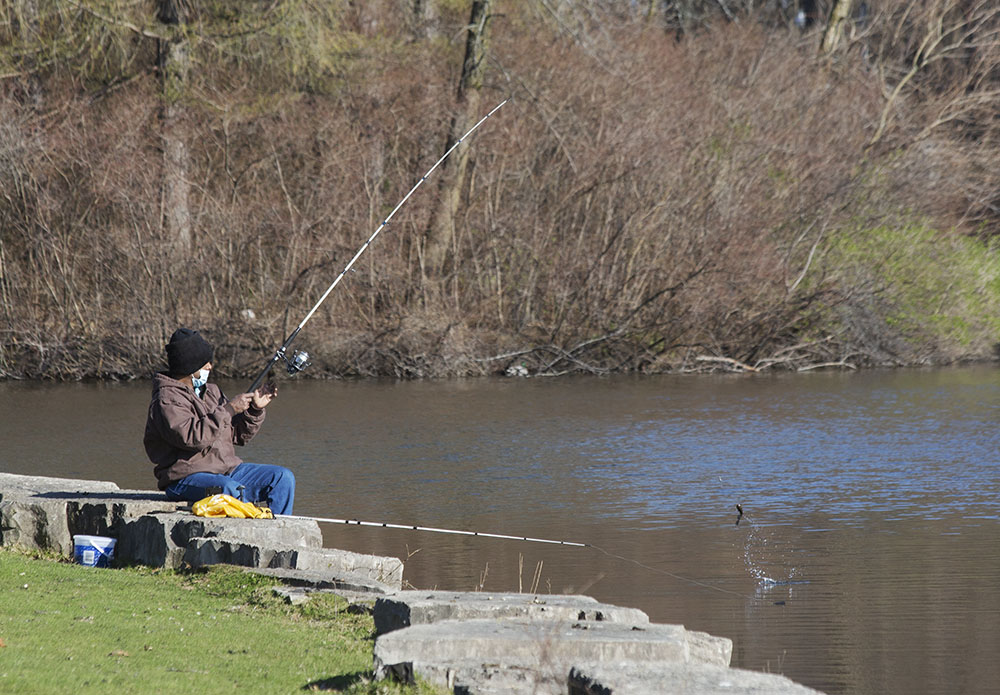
[163, 539]
[44, 513]
[351, 568]
[406, 608]
[14, 484]
[627, 678]
[383, 569]
[473, 677]
[353, 586]
[549, 648]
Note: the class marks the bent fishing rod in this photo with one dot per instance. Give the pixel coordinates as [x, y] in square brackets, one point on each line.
[300, 360]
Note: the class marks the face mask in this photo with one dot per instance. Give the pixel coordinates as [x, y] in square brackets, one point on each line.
[199, 380]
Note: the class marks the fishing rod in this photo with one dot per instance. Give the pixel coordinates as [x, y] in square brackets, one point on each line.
[406, 527]
[300, 360]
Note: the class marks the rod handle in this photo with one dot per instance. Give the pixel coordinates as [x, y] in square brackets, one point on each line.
[263, 374]
[278, 355]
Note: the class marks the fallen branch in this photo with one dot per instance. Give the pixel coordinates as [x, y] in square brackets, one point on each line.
[726, 360]
[823, 365]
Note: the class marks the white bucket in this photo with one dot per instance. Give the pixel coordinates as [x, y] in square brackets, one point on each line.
[94, 551]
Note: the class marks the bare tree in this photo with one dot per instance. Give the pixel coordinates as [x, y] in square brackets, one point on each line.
[442, 230]
[423, 18]
[834, 31]
[174, 64]
[942, 42]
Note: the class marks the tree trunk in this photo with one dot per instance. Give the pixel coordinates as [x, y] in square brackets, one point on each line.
[174, 62]
[441, 234]
[28, 19]
[835, 26]
[424, 19]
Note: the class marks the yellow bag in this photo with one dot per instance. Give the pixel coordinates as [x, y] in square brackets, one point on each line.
[225, 505]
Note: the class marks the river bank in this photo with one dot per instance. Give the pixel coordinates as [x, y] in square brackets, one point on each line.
[472, 643]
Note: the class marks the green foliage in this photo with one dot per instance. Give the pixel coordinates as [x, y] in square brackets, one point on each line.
[938, 286]
[289, 44]
[75, 40]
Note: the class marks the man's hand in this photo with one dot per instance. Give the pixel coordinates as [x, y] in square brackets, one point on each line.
[264, 395]
[240, 402]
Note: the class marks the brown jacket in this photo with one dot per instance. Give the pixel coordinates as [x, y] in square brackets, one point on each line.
[186, 434]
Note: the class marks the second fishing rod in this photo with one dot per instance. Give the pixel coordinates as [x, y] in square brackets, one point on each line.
[300, 359]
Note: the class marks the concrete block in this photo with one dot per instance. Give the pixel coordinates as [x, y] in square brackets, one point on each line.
[164, 539]
[352, 586]
[99, 516]
[279, 533]
[407, 608]
[38, 524]
[473, 677]
[352, 569]
[200, 552]
[149, 541]
[25, 485]
[49, 520]
[44, 513]
[385, 570]
[33, 509]
[549, 648]
[294, 596]
[627, 678]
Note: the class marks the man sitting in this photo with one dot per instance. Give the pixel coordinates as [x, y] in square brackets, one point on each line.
[192, 430]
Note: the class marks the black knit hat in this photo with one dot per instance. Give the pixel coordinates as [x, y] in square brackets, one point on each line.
[187, 352]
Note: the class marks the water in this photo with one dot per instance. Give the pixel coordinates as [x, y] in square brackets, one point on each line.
[866, 560]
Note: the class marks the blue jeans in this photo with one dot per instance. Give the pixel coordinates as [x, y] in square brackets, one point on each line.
[260, 481]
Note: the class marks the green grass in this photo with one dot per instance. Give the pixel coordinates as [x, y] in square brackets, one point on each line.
[72, 629]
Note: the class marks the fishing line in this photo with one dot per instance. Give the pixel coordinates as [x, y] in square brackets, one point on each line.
[409, 527]
[670, 574]
[299, 360]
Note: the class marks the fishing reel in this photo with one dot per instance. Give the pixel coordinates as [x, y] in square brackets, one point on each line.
[299, 361]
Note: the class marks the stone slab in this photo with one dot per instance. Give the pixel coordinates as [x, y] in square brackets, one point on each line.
[546, 647]
[628, 678]
[202, 552]
[354, 587]
[148, 540]
[406, 608]
[382, 569]
[44, 513]
[472, 677]
[38, 524]
[282, 532]
[352, 569]
[165, 539]
[11, 483]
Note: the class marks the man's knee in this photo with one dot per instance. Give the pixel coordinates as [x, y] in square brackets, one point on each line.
[233, 488]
